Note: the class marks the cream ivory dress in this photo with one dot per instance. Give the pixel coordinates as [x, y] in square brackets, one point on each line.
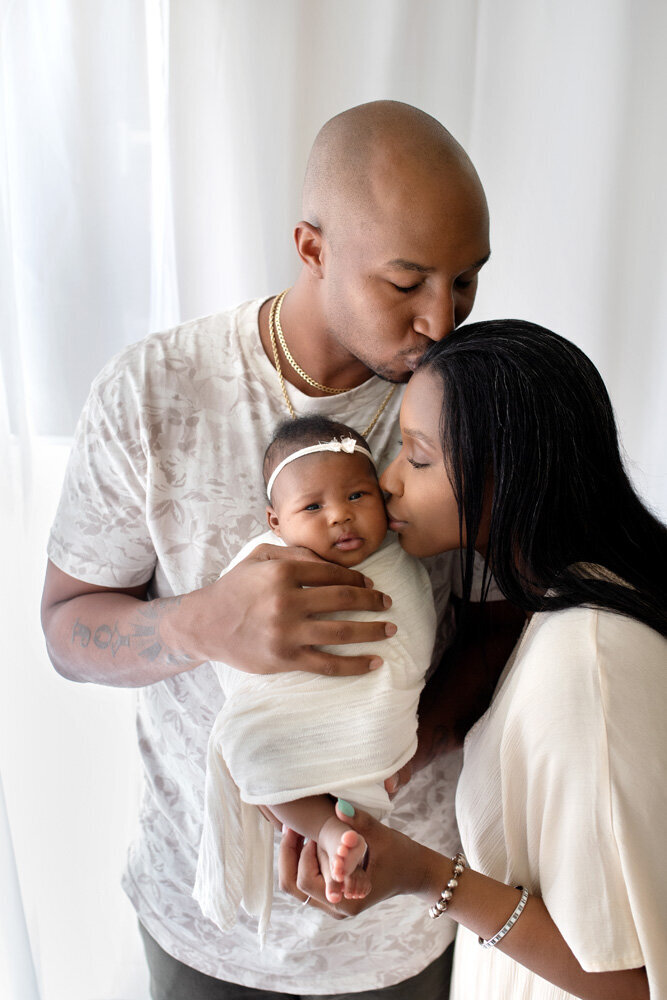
[564, 791]
[287, 736]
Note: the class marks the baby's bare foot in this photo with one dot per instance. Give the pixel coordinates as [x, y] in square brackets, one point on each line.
[357, 885]
[345, 849]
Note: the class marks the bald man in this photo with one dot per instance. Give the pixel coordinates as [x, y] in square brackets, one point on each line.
[165, 484]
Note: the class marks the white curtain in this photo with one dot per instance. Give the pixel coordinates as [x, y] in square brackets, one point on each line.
[151, 155]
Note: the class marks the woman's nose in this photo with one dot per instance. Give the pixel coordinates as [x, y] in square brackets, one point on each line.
[389, 482]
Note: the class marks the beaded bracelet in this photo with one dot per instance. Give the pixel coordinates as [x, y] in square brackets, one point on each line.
[492, 942]
[446, 895]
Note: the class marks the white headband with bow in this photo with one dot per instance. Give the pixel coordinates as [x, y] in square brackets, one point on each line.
[348, 445]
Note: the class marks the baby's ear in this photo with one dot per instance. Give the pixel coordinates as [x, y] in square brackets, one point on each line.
[273, 521]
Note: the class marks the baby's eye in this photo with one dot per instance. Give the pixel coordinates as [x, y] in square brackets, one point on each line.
[355, 496]
[312, 506]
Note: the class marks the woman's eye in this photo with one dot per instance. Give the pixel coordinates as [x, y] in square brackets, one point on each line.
[464, 282]
[405, 288]
[417, 465]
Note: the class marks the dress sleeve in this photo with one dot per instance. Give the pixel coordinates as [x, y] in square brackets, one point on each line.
[100, 533]
[584, 759]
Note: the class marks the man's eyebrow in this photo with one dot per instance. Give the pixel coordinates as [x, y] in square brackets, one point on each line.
[482, 261]
[411, 265]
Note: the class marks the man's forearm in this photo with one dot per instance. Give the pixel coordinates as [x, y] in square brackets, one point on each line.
[116, 639]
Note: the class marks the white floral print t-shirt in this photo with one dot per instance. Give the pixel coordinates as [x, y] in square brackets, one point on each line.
[164, 485]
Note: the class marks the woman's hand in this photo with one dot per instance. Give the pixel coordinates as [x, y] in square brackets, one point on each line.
[396, 865]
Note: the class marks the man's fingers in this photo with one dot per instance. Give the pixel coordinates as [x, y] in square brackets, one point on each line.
[328, 632]
[324, 599]
[313, 571]
[398, 779]
[332, 665]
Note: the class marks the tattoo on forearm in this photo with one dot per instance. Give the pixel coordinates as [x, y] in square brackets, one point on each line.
[143, 636]
[81, 632]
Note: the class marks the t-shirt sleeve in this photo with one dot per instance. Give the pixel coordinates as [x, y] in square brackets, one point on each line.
[585, 758]
[100, 533]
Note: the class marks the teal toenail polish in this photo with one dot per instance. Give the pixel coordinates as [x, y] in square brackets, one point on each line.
[345, 807]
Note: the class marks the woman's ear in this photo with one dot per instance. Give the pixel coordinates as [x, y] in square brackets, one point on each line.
[272, 519]
[309, 245]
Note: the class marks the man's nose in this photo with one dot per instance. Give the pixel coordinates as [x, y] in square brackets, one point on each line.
[437, 319]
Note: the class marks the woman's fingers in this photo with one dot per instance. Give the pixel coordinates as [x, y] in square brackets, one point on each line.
[299, 872]
[291, 847]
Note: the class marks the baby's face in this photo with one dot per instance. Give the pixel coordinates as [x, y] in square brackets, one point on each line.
[330, 502]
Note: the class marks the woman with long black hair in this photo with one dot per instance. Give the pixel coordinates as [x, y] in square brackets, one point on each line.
[510, 447]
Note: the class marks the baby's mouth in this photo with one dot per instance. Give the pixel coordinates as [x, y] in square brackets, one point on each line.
[348, 543]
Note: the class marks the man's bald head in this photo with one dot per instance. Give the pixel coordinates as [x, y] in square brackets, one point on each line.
[394, 234]
[370, 155]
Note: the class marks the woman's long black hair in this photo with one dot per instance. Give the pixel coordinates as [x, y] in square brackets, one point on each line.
[526, 418]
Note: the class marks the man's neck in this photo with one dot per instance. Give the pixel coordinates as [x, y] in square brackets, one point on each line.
[313, 348]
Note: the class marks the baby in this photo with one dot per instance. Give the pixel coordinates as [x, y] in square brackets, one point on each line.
[291, 741]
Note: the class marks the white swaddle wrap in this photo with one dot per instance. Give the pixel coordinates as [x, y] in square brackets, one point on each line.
[281, 737]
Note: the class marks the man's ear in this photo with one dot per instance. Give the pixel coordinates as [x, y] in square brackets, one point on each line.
[273, 522]
[309, 245]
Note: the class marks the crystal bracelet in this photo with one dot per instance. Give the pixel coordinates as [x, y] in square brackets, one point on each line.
[441, 905]
[492, 942]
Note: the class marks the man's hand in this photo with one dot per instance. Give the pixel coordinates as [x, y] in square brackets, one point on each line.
[397, 781]
[265, 616]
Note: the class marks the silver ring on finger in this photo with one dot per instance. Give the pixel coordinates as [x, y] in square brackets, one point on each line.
[306, 900]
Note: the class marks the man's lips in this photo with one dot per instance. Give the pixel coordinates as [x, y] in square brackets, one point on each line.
[412, 360]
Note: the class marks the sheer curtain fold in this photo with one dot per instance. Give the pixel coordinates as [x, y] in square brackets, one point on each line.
[18, 977]
[164, 304]
[151, 158]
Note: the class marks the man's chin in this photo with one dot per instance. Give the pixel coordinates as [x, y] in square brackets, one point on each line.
[391, 374]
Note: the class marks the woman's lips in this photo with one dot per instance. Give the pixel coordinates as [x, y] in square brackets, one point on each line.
[394, 523]
[348, 543]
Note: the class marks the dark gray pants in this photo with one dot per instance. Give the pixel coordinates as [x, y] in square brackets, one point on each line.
[171, 980]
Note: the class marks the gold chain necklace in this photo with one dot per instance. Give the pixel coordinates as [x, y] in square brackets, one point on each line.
[275, 313]
[274, 328]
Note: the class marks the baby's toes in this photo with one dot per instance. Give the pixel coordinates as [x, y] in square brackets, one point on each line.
[357, 884]
[351, 851]
[334, 890]
[349, 840]
[337, 866]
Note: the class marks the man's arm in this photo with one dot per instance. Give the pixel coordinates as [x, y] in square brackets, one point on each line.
[259, 617]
